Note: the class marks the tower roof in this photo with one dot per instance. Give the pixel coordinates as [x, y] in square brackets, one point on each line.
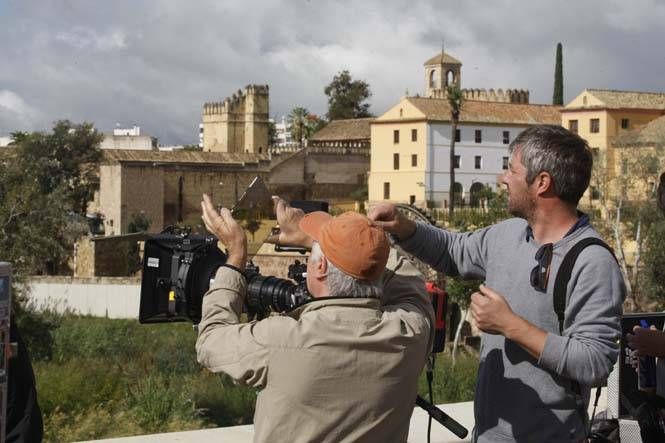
[442, 58]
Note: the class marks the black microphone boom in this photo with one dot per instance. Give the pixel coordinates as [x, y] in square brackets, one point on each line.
[447, 421]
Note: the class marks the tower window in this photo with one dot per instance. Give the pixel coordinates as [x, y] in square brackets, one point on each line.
[456, 162]
[414, 135]
[506, 137]
[504, 164]
[625, 123]
[386, 191]
[458, 135]
[594, 125]
[479, 136]
[414, 160]
[478, 162]
[395, 161]
[396, 136]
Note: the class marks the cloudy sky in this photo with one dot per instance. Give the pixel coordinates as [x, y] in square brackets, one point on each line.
[155, 63]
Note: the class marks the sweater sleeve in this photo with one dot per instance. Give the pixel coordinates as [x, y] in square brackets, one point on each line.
[404, 294]
[453, 253]
[224, 344]
[588, 348]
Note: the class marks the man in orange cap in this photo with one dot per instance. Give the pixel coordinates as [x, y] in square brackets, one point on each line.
[345, 365]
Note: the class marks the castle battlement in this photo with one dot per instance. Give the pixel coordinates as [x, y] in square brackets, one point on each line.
[489, 95]
[239, 123]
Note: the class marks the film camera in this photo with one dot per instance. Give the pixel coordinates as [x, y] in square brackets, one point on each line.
[178, 269]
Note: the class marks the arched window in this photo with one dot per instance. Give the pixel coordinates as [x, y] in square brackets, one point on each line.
[450, 78]
[432, 78]
[476, 193]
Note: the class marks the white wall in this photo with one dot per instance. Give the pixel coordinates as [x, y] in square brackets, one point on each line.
[87, 297]
[491, 150]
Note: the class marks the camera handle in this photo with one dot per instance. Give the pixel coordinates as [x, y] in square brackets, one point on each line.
[446, 420]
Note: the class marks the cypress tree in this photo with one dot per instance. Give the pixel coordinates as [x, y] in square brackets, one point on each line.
[557, 96]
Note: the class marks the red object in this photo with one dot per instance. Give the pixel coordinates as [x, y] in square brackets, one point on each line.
[439, 300]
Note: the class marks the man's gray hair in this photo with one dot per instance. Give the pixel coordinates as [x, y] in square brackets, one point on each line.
[344, 285]
[560, 153]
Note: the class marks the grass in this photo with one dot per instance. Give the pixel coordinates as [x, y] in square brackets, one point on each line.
[111, 378]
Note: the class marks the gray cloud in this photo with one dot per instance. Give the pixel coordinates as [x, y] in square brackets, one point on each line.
[154, 63]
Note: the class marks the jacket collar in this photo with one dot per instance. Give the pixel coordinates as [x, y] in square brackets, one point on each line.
[324, 302]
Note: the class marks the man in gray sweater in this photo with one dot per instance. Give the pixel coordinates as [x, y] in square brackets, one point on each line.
[533, 383]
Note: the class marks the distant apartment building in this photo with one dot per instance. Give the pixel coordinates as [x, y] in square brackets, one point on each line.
[127, 138]
[283, 134]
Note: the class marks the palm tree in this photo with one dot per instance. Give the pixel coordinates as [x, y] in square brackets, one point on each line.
[300, 127]
[455, 100]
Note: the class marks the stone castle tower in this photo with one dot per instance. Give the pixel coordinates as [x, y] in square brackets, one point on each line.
[239, 123]
[443, 70]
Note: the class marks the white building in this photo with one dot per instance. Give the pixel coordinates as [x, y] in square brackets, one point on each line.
[5, 141]
[283, 134]
[127, 138]
[134, 131]
[410, 148]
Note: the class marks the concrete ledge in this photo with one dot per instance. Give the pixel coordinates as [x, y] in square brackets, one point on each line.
[461, 412]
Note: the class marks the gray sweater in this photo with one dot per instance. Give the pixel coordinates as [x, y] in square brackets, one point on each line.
[518, 397]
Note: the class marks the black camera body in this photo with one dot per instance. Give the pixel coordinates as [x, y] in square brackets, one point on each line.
[179, 268]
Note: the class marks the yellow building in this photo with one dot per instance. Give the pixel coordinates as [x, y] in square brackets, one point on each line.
[641, 156]
[599, 116]
[410, 143]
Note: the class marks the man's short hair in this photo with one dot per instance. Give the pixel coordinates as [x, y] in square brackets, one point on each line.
[560, 153]
[341, 284]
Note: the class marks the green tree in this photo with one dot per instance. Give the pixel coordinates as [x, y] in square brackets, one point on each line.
[346, 97]
[557, 96]
[45, 184]
[301, 129]
[272, 133]
[138, 223]
[455, 101]
[68, 157]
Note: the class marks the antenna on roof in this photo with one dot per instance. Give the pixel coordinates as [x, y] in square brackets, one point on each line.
[442, 53]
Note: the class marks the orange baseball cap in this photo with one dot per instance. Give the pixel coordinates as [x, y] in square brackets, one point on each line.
[351, 241]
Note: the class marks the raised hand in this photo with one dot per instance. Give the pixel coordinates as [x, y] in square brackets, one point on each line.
[227, 230]
[391, 220]
[288, 219]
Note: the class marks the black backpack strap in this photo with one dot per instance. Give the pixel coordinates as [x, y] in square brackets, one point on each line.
[564, 272]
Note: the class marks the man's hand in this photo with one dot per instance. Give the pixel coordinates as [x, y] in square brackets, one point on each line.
[491, 311]
[392, 221]
[289, 231]
[227, 230]
[494, 316]
[647, 342]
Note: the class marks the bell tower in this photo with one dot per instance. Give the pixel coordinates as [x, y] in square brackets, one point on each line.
[441, 71]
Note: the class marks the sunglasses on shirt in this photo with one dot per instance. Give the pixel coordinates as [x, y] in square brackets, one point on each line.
[540, 274]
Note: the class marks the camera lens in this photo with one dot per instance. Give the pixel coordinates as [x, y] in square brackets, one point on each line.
[265, 294]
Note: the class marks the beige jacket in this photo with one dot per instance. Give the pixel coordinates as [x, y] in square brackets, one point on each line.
[333, 370]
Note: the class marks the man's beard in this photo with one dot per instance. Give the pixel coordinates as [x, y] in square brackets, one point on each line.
[522, 207]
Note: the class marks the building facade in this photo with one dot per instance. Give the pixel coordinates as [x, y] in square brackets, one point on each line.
[410, 148]
[410, 143]
[166, 187]
[599, 116]
[238, 124]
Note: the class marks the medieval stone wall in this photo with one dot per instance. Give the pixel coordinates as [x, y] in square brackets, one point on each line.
[318, 175]
[238, 123]
[183, 188]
